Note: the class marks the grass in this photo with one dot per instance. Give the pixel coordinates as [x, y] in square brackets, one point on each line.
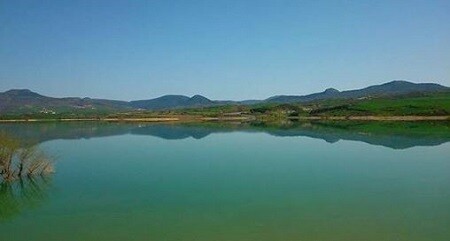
[18, 160]
[427, 105]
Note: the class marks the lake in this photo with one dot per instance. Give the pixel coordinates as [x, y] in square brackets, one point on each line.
[231, 181]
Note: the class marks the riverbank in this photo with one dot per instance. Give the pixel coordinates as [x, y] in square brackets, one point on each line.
[237, 118]
[150, 119]
[375, 118]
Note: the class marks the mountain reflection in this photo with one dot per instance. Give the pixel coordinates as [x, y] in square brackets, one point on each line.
[396, 135]
[22, 194]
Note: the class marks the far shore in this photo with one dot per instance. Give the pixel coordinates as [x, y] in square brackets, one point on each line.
[237, 118]
[376, 118]
[150, 119]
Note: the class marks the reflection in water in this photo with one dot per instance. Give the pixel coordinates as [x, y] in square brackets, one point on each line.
[22, 194]
[396, 135]
[23, 183]
[235, 186]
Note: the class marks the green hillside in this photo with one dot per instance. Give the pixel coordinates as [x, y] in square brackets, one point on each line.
[425, 105]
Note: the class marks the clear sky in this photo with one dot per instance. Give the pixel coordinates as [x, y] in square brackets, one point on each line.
[221, 49]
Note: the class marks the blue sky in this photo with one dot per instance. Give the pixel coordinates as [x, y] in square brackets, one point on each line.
[221, 49]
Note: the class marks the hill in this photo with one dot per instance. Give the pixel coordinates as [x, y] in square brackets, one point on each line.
[20, 102]
[172, 102]
[393, 88]
[23, 101]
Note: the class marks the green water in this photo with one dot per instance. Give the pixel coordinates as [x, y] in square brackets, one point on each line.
[230, 182]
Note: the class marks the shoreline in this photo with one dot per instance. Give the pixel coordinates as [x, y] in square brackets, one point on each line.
[375, 118]
[241, 118]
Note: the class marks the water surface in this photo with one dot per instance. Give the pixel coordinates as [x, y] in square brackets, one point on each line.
[233, 182]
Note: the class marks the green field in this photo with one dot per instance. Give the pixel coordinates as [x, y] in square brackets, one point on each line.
[424, 105]
[429, 105]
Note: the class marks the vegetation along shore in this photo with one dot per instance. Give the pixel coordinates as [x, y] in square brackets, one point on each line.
[392, 101]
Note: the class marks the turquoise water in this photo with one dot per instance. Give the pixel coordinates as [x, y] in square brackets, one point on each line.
[169, 182]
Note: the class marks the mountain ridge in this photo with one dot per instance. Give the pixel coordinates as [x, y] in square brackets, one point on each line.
[25, 100]
[395, 87]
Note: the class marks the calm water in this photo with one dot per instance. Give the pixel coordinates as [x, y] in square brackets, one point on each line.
[232, 182]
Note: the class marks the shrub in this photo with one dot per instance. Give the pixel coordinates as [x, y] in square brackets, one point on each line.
[18, 160]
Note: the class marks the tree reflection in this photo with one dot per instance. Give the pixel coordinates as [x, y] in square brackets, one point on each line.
[22, 194]
[24, 178]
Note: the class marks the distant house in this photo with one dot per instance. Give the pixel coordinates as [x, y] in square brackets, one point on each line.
[47, 111]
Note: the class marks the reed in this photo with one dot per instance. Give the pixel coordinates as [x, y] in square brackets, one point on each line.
[18, 159]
